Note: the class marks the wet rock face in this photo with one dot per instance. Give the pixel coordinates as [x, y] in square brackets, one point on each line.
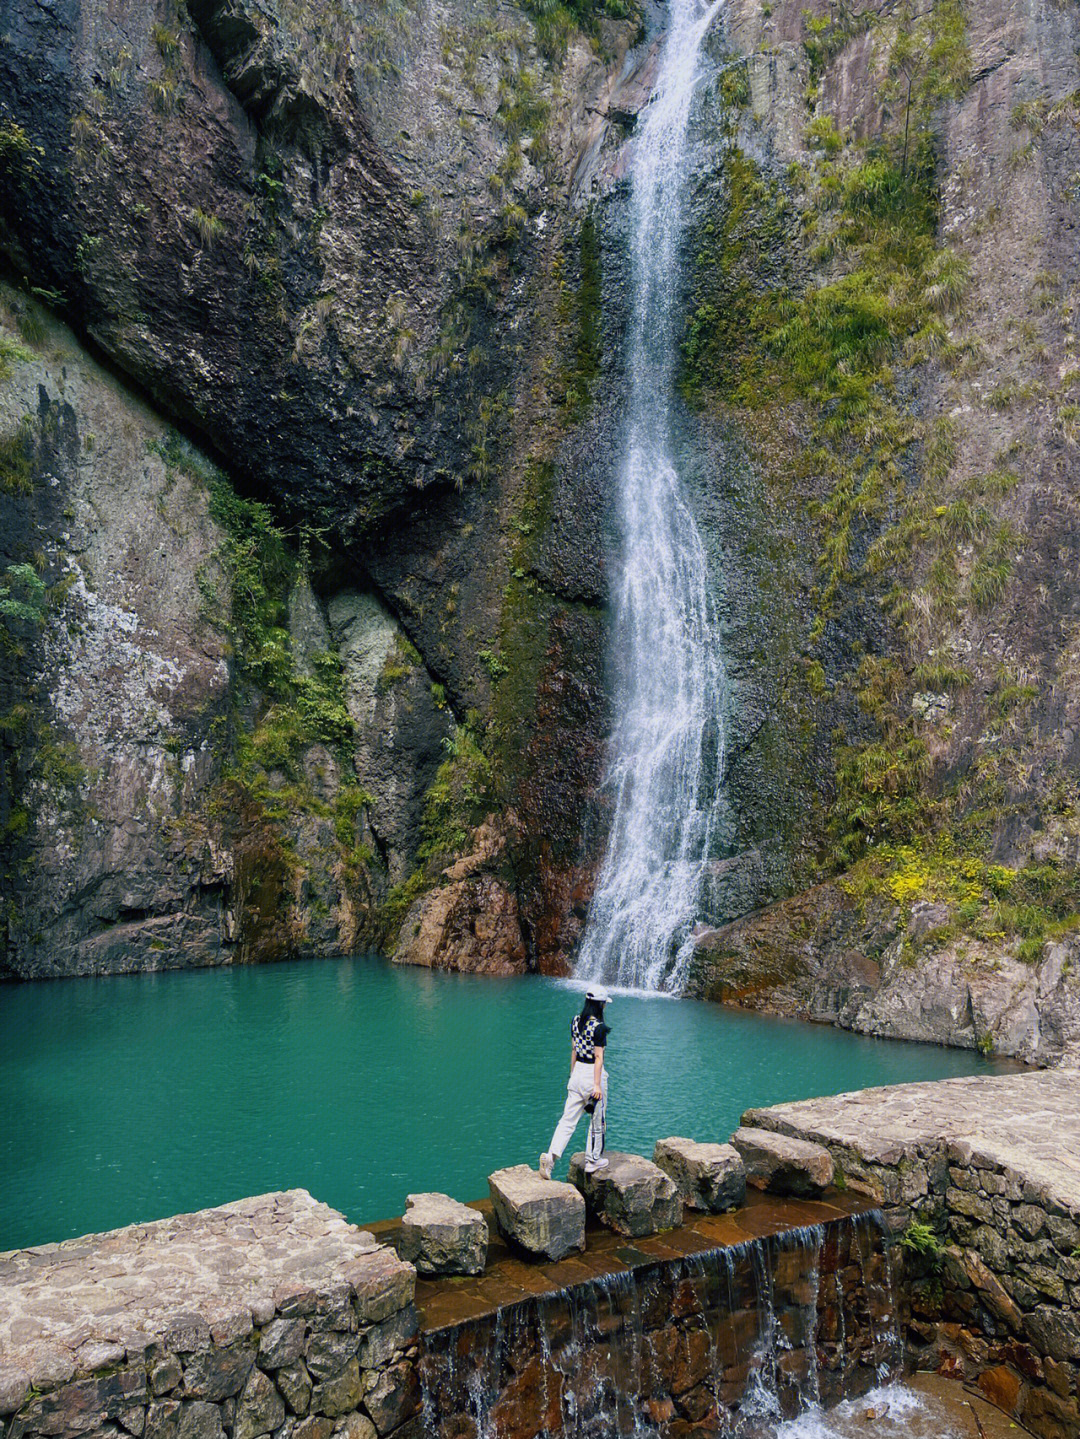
[113, 862]
[820, 955]
[349, 278]
[347, 251]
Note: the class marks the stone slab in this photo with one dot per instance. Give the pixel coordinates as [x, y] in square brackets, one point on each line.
[1028, 1123]
[782, 1164]
[74, 1308]
[632, 1195]
[708, 1176]
[542, 1216]
[439, 1235]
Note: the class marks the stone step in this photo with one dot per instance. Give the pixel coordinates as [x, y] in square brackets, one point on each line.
[708, 1176]
[782, 1165]
[439, 1235]
[542, 1216]
[632, 1195]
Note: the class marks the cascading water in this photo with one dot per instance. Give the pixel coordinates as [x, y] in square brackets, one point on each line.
[739, 1341]
[667, 749]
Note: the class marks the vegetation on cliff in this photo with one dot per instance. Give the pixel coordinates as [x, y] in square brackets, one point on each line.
[861, 301]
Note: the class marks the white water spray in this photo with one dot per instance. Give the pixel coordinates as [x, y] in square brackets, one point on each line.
[667, 750]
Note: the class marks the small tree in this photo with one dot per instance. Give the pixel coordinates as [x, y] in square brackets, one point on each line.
[928, 63]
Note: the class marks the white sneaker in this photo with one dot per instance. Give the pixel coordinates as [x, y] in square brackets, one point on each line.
[547, 1164]
[593, 1165]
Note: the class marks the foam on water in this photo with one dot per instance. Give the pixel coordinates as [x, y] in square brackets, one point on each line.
[890, 1412]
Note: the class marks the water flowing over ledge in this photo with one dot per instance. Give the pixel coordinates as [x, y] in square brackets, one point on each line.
[666, 755]
[730, 1340]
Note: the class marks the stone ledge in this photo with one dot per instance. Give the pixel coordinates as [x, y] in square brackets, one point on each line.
[782, 1164]
[442, 1236]
[1024, 1124]
[187, 1285]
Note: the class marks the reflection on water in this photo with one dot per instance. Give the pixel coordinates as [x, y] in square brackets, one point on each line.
[132, 1098]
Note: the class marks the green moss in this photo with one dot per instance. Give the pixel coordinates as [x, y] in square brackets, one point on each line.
[581, 315]
[398, 903]
[523, 627]
[17, 457]
[402, 660]
[734, 85]
[557, 20]
[460, 795]
[278, 712]
[22, 596]
[831, 332]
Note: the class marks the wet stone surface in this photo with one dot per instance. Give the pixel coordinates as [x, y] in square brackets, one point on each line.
[709, 1176]
[511, 1278]
[782, 1164]
[543, 1217]
[442, 1236]
[667, 1330]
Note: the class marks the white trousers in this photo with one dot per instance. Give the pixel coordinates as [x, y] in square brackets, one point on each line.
[578, 1092]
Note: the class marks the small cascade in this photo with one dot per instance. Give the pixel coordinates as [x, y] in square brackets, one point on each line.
[736, 1341]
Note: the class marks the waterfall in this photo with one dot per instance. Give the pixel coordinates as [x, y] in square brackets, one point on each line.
[666, 755]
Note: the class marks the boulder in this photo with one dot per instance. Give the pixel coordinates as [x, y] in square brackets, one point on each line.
[708, 1176]
[541, 1216]
[441, 1236]
[632, 1195]
[783, 1165]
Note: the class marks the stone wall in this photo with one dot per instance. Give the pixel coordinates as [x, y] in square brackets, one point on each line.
[989, 1168]
[678, 1344]
[268, 1316]
[275, 1317]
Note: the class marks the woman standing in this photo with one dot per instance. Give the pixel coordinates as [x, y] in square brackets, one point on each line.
[586, 1091]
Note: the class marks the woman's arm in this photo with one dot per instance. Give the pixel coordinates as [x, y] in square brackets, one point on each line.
[598, 1069]
[573, 1056]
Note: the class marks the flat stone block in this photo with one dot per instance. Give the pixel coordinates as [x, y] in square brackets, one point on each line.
[708, 1176]
[632, 1195]
[441, 1236]
[542, 1216]
[782, 1165]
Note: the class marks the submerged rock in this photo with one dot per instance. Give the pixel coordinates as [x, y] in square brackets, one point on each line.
[442, 1236]
[782, 1165]
[542, 1216]
[632, 1195]
[708, 1176]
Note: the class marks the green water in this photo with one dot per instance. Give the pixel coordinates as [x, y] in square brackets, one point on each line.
[133, 1098]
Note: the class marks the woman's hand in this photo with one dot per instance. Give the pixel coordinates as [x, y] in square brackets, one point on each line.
[596, 1091]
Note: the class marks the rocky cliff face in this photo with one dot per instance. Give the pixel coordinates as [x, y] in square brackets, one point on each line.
[921, 396]
[373, 260]
[335, 247]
